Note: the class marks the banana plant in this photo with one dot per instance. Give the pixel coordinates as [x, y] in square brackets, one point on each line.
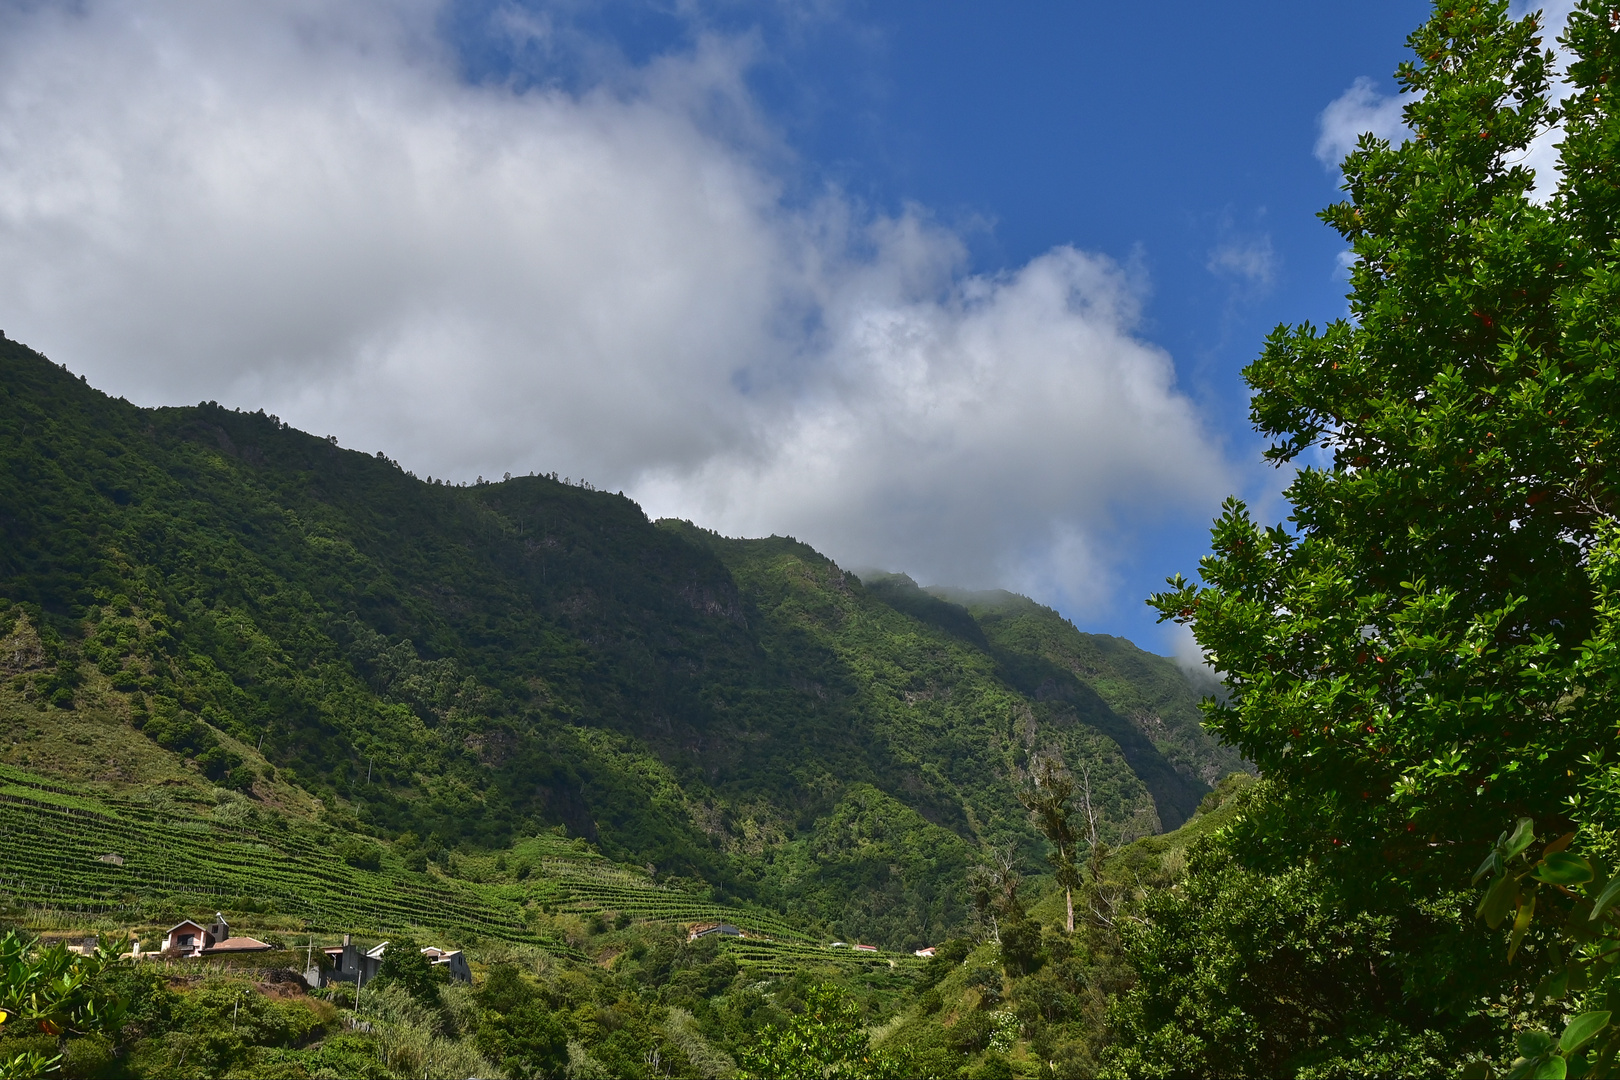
[53, 990]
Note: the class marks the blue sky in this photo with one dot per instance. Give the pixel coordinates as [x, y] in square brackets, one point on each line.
[1161, 135]
[957, 289]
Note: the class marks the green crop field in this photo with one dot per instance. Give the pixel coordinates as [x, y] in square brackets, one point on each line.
[60, 851]
[71, 856]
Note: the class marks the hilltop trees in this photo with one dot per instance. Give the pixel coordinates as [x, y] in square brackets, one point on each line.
[1425, 652]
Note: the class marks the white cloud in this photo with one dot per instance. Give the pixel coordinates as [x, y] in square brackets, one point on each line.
[1183, 648]
[1360, 109]
[994, 430]
[1541, 155]
[1252, 261]
[300, 206]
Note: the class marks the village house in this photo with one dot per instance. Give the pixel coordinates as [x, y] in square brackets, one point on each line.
[924, 952]
[191, 938]
[704, 929]
[352, 964]
[453, 962]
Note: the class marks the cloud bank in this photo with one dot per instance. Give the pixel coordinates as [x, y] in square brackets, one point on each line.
[303, 207]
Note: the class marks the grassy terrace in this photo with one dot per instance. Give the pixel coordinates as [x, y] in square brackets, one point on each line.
[56, 846]
[60, 844]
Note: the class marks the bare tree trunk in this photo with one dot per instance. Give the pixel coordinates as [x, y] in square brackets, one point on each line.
[1068, 899]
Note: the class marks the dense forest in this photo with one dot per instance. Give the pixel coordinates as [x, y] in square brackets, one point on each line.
[249, 671]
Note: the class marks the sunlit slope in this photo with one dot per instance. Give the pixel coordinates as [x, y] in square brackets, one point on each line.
[213, 598]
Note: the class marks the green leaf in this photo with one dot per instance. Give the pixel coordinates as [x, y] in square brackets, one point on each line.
[1554, 986]
[1532, 1044]
[1478, 1069]
[1492, 864]
[1521, 925]
[1519, 839]
[1581, 1029]
[1606, 898]
[1553, 1068]
[1562, 868]
[1499, 900]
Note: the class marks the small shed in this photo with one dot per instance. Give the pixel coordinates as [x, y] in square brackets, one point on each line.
[186, 938]
[352, 964]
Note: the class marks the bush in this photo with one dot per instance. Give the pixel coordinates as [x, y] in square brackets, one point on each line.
[516, 1030]
[971, 1032]
[987, 981]
[944, 961]
[1021, 952]
[405, 966]
[359, 854]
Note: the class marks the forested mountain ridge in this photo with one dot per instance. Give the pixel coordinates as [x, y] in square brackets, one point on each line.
[466, 665]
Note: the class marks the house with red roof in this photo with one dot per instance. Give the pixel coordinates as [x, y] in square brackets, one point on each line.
[191, 938]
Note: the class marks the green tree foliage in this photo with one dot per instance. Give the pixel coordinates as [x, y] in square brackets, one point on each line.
[1424, 653]
[74, 1014]
[1245, 972]
[827, 1040]
[1393, 651]
[1047, 797]
[517, 1029]
[405, 965]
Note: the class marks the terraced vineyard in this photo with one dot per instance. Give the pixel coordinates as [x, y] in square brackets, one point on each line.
[772, 958]
[577, 879]
[589, 888]
[69, 852]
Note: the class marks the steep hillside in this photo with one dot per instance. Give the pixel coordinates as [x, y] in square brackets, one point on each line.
[1044, 655]
[212, 600]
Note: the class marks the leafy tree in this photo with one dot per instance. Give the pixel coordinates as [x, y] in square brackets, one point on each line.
[358, 853]
[516, 1029]
[1399, 651]
[1047, 798]
[1424, 652]
[405, 965]
[1021, 951]
[1273, 972]
[827, 1040]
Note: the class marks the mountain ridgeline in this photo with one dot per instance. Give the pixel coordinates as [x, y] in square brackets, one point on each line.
[467, 665]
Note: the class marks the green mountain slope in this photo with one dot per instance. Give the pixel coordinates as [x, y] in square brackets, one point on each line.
[211, 600]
